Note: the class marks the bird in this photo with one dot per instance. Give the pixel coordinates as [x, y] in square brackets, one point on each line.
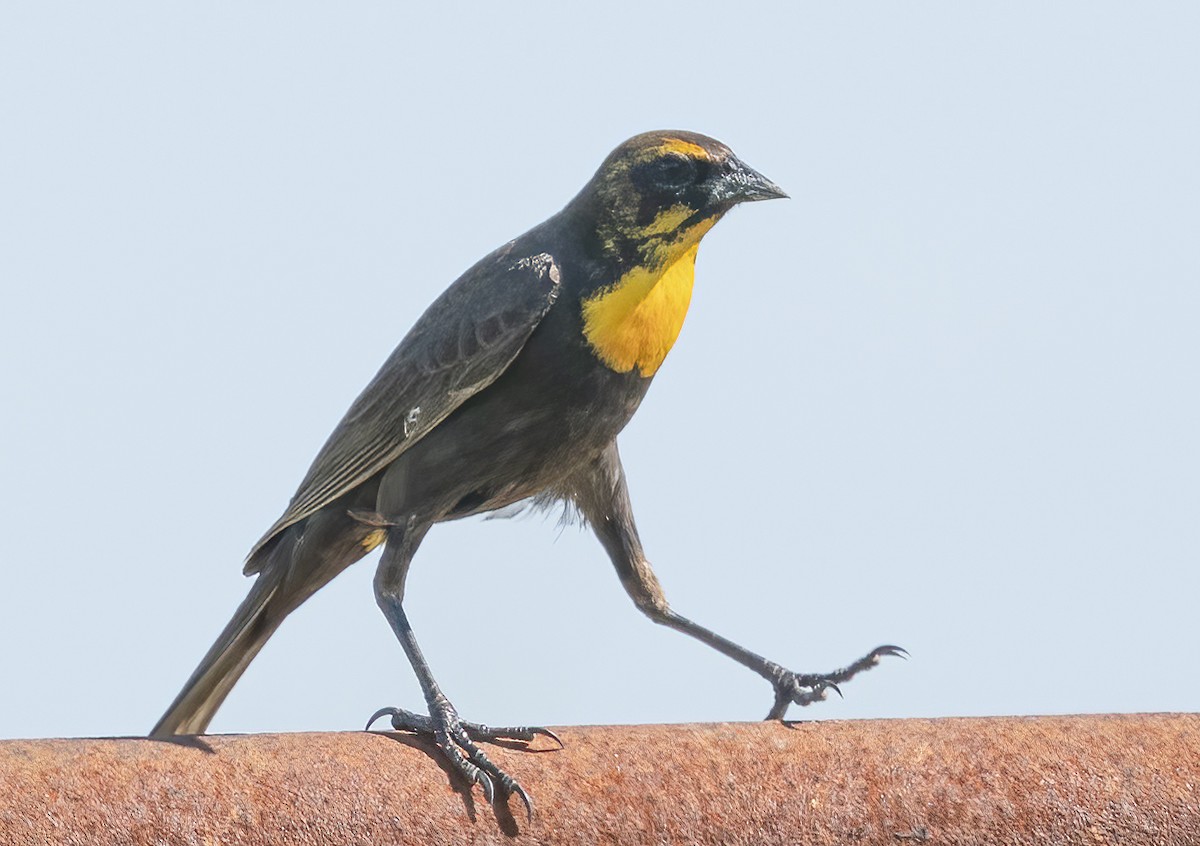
[511, 388]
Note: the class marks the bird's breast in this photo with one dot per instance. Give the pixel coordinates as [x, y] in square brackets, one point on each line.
[635, 321]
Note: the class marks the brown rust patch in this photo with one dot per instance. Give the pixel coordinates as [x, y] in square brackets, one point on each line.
[1062, 780]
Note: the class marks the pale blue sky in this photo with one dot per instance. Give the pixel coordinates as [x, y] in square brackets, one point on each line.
[944, 397]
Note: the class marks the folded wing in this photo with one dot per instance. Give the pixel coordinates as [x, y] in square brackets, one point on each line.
[459, 346]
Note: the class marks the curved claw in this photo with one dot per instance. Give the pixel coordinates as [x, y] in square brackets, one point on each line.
[890, 649]
[520, 791]
[545, 732]
[831, 686]
[487, 785]
[382, 712]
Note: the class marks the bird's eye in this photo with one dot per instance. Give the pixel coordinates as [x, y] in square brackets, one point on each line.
[675, 170]
[670, 171]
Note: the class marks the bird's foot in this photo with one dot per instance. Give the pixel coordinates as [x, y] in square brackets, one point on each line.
[806, 688]
[457, 738]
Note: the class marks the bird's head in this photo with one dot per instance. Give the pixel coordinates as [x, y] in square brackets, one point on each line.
[658, 193]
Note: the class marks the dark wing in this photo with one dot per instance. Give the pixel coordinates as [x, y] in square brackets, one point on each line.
[460, 345]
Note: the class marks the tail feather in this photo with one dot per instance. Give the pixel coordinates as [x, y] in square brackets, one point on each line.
[296, 564]
[252, 624]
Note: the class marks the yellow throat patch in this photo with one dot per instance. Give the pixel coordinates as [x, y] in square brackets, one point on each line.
[634, 322]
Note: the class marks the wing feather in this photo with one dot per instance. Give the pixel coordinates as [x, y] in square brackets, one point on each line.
[459, 346]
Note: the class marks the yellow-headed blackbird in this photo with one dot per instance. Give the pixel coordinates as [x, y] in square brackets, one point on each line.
[513, 385]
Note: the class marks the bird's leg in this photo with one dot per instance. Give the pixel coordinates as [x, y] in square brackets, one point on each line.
[454, 737]
[602, 496]
[790, 687]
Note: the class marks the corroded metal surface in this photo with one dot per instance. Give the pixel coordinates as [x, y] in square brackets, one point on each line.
[1126, 780]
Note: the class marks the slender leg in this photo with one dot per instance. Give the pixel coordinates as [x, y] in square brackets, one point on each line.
[454, 737]
[601, 494]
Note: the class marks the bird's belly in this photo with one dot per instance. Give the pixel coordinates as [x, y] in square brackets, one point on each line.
[522, 435]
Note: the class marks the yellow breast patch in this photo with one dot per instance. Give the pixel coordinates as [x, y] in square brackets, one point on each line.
[635, 322]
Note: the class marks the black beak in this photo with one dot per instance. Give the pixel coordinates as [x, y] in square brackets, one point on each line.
[740, 183]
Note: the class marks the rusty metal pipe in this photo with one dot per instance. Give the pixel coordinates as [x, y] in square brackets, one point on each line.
[1092, 780]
